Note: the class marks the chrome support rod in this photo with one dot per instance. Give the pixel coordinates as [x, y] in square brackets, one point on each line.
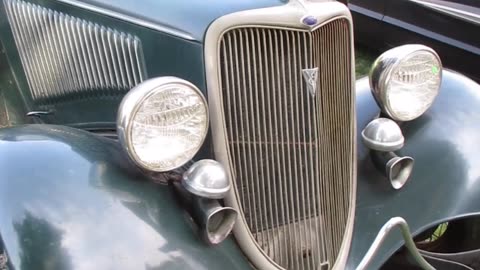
[382, 235]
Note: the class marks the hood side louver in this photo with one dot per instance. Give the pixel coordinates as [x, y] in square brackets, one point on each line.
[64, 56]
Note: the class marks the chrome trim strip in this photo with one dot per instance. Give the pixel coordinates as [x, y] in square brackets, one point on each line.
[433, 35]
[283, 17]
[120, 16]
[450, 11]
[365, 12]
[382, 235]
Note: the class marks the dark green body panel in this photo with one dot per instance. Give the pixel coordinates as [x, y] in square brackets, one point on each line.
[445, 183]
[70, 200]
[191, 17]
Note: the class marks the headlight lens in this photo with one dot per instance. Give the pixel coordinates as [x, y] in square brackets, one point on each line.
[405, 81]
[162, 123]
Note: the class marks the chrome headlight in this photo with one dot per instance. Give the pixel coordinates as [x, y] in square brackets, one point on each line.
[405, 81]
[162, 123]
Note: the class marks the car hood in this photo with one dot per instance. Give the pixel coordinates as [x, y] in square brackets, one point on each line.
[189, 18]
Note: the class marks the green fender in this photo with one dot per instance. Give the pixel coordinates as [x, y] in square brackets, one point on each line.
[445, 183]
[70, 200]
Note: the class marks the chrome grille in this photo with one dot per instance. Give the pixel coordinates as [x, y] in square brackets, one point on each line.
[291, 151]
[63, 55]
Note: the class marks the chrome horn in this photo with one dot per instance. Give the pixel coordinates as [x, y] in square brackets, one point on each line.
[200, 188]
[215, 221]
[397, 169]
[383, 136]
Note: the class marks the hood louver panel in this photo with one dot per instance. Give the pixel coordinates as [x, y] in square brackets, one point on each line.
[64, 55]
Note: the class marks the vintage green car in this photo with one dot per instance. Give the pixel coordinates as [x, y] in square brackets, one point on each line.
[227, 134]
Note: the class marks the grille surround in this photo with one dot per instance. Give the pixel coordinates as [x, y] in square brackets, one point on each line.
[287, 17]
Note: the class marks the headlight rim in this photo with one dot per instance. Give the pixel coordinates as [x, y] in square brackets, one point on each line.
[381, 72]
[132, 102]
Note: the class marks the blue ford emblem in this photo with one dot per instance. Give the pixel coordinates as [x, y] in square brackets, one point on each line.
[309, 20]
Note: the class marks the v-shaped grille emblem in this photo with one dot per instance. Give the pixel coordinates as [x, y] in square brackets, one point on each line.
[310, 75]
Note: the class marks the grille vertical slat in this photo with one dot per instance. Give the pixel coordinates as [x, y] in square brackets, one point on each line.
[291, 151]
[284, 135]
[313, 111]
[267, 50]
[316, 260]
[281, 151]
[250, 117]
[258, 134]
[63, 55]
[262, 49]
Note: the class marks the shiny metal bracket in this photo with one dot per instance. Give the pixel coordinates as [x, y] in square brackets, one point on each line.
[407, 237]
